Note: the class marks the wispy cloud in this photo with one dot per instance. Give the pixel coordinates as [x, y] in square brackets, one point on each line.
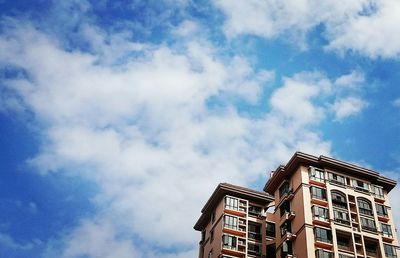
[368, 19]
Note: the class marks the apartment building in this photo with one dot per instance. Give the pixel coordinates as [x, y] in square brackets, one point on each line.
[320, 207]
[234, 223]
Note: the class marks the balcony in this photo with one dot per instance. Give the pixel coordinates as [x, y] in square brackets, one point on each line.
[342, 221]
[254, 236]
[289, 215]
[289, 236]
[368, 228]
[254, 252]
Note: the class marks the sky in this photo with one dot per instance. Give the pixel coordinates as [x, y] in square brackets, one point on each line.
[119, 118]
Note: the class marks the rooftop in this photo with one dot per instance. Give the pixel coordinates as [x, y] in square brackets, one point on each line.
[299, 158]
[228, 189]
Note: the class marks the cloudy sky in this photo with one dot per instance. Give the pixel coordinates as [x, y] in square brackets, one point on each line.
[119, 118]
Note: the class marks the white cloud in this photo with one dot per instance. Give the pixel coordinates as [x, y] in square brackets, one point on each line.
[349, 106]
[9, 243]
[396, 102]
[368, 27]
[145, 132]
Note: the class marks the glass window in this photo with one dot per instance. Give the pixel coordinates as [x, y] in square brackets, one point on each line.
[365, 206]
[285, 207]
[286, 228]
[339, 199]
[361, 185]
[324, 235]
[211, 235]
[229, 241]
[230, 222]
[270, 229]
[254, 210]
[381, 210]
[318, 193]
[284, 189]
[254, 231]
[378, 191]
[231, 203]
[371, 248]
[323, 254]
[368, 224]
[337, 179]
[254, 249]
[386, 230]
[286, 249]
[210, 254]
[317, 174]
[320, 213]
[389, 251]
[341, 217]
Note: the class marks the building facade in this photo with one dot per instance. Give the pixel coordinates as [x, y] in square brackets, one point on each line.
[311, 207]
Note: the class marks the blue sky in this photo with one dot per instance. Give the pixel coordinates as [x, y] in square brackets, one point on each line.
[119, 118]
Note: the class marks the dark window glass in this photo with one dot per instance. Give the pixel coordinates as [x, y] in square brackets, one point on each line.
[270, 229]
[365, 206]
[284, 189]
[339, 199]
[318, 193]
[389, 251]
[254, 210]
[381, 210]
[323, 235]
[368, 224]
[386, 230]
[285, 207]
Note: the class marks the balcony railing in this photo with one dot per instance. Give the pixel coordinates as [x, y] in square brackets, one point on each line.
[254, 235]
[342, 221]
[373, 229]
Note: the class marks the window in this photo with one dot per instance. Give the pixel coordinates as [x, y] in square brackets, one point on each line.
[231, 203]
[371, 248]
[286, 249]
[254, 210]
[320, 213]
[286, 228]
[203, 235]
[344, 242]
[285, 207]
[284, 189]
[341, 217]
[254, 231]
[209, 254]
[318, 193]
[271, 252]
[339, 199]
[390, 252]
[386, 230]
[365, 206]
[360, 185]
[211, 235]
[323, 235]
[381, 210]
[230, 222]
[320, 253]
[229, 242]
[345, 256]
[270, 229]
[378, 191]
[336, 179]
[368, 224]
[254, 249]
[317, 174]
